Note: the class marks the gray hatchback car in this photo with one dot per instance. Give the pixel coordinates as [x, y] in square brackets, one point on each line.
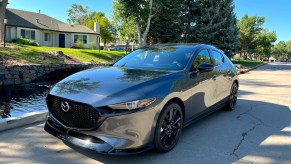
[144, 100]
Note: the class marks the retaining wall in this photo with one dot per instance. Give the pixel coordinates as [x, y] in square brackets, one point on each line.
[16, 75]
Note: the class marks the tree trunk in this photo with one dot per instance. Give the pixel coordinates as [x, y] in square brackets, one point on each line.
[105, 42]
[245, 55]
[139, 34]
[142, 38]
[3, 6]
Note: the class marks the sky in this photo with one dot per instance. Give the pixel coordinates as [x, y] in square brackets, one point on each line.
[277, 13]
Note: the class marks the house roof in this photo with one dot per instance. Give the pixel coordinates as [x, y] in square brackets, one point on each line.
[41, 21]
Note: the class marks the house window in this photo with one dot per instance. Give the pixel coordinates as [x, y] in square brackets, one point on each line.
[83, 38]
[28, 34]
[47, 37]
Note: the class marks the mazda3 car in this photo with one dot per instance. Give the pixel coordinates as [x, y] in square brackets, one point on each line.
[142, 101]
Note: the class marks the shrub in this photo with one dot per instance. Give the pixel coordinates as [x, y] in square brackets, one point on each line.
[93, 46]
[80, 44]
[24, 41]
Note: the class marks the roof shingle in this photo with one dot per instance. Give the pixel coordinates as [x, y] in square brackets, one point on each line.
[40, 21]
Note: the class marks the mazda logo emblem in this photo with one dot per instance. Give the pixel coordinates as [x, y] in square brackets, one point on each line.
[65, 106]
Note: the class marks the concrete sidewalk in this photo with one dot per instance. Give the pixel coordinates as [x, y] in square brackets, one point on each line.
[15, 122]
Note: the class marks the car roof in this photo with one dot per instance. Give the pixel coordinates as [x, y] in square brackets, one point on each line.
[180, 45]
[194, 45]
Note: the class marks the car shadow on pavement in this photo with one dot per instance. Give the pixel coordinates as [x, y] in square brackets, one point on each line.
[222, 137]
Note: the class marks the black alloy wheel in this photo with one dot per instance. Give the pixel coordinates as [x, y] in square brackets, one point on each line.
[231, 104]
[169, 127]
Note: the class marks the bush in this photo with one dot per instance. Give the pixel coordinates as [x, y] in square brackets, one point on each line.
[93, 46]
[24, 41]
[80, 44]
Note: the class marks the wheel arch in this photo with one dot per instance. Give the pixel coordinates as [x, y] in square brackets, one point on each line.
[180, 103]
[236, 81]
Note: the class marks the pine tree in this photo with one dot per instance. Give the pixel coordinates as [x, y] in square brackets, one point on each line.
[166, 25]
[213, 22]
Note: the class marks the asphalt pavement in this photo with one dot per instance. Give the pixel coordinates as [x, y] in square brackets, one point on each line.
[258, 131]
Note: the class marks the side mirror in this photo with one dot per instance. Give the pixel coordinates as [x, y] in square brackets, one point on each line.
[205, 67]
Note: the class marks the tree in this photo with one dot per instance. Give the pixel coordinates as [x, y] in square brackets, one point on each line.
[128, 29]
[78, 14]
[108, 34]
[249, 28]
[280, 50]
[126, 26]
[264, 41]
[167, 22]
[212, 22]
[107, 30]
[288, 44]
[3, 6]
[164, 21]
[139, 11]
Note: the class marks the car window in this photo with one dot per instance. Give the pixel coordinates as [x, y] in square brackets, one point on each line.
[216, 58]
[158, 58]
[202, 57]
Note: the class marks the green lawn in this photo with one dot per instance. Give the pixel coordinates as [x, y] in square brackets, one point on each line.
[247, 63]
[36, 55]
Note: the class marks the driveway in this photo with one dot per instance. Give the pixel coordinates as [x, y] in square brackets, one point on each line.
[258, 131]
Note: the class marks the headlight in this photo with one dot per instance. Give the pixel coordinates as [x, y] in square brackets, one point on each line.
[133, 104]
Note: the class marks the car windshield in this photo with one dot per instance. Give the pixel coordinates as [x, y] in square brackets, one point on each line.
[159, 58]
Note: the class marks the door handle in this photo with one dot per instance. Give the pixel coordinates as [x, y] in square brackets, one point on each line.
[214, 78]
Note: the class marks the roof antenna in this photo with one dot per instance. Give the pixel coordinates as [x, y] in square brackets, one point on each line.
[39, 11]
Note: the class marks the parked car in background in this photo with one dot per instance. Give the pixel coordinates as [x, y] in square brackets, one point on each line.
[120, 48]
[144, 100]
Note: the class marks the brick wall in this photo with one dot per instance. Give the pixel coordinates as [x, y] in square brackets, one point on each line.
[15, 75]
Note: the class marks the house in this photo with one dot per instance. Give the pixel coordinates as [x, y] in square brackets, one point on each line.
[47, 31]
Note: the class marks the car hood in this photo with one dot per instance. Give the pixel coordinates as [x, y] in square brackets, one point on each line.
[100, 83]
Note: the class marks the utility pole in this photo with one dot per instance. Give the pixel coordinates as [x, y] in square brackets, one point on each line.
[126, 45]
[5, 23]
[3, 5]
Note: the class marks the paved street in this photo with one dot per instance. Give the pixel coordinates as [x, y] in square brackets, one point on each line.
[258, 131]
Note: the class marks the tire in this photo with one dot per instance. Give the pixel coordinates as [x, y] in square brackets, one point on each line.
[231, 103]
[169, 127]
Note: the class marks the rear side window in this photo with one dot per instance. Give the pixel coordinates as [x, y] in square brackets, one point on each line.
[216, 57]
[202, 57]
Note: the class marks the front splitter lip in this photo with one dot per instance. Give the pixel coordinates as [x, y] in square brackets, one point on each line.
[101, 147]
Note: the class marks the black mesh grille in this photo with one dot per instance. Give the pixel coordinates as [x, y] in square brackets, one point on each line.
[80, 116]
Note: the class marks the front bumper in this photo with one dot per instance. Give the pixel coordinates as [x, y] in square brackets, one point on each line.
[120, 134]
[88, 142]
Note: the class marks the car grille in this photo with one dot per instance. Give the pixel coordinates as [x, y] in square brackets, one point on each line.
[79, 116]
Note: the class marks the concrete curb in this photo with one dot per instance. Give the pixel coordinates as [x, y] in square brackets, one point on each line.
[246, 71]
[30, 118]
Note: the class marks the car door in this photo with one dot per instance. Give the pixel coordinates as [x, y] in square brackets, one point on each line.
[200, 85]
[221, 90]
